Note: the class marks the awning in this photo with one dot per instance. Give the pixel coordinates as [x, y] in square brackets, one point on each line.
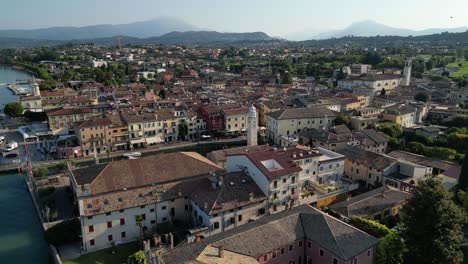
[137, 141]
[154, 140]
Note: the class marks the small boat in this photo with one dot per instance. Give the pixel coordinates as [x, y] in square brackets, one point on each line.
[132, 155]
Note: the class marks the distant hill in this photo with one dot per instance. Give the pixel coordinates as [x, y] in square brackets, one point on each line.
[371, 28]
[203, 37]
[181, 38]
[144, 29]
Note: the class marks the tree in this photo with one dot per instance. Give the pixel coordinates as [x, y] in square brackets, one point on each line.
[183, 129]
[137, 258]
[463, 179]
[390, 248]
[287, 79]
[162, 94]
[13, 109]
[139, 221]
[432, 225]
[40, 172]
[341, 120]
[422, 97]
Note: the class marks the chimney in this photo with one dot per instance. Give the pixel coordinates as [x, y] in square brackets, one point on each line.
[221, 251]
[251, 197]
[171, 240]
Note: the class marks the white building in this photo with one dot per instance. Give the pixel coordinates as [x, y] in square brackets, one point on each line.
[112, 196]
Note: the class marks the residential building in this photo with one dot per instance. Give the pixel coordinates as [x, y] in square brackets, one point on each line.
[375, 81]
[376, 204]
[222, 202]
[300, 235]
[235, 120]
[62, 121]
[403, 115]
[110, 196]
[94, 134]
[285, 125]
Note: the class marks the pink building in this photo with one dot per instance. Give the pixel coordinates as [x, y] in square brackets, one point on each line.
[302, 235]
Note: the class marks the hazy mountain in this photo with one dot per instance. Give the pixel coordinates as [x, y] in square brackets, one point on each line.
[175, 37]
[144, 29]
[202, 37]
[370, 28]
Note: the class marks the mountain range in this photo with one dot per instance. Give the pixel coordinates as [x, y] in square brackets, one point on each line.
[370, 28]
[144, 29]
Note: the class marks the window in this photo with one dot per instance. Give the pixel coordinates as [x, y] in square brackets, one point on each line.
[321, 253]
[368, 253]
[123, 234]
[291, 247]
[151, 210]
[300, 243]
[275, 184]
[153, 222]
[90, 217]
[92, 242]
[90, 229]
[108, 213]
[232, 220]
[142, 206]
[143, 216]
[163, 208]
[282, 251]
[273, 255]
[109, 238]
[335, 261]
[122, 221]
[309, 244]
[284, 180]
[109, 224]
[216, 225]
[265, 258]
[121, 210]
[239, 218]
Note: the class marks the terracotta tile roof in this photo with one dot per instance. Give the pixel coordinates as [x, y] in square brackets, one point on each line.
[93, 123]
[238, 189]
[236, 111]
[69, 111]
[283, 158]
[295, 113]
[157, 169]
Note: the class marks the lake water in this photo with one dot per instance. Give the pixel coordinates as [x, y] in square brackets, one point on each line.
[10, 75]
[21, 236]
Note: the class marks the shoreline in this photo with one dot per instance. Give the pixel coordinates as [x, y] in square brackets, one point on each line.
[19, 68]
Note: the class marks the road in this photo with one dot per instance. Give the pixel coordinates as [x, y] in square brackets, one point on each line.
[37, 158]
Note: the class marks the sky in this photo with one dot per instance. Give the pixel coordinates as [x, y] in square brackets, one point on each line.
[274, 17]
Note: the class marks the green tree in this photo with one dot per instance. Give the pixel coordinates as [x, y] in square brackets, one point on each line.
[390, 249]
[13, 109]
[139, 221]
[137, 258]
[463, 179]
[422, 97]
[183, 130]
[341, 120]
[432, 225]
[287, 79]
[40, 171]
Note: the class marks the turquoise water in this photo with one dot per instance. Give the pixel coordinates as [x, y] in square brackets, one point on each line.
[21, 236]
[9, 75]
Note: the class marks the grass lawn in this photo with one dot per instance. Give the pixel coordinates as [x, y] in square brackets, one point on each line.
[463, 71]
[105, 256]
